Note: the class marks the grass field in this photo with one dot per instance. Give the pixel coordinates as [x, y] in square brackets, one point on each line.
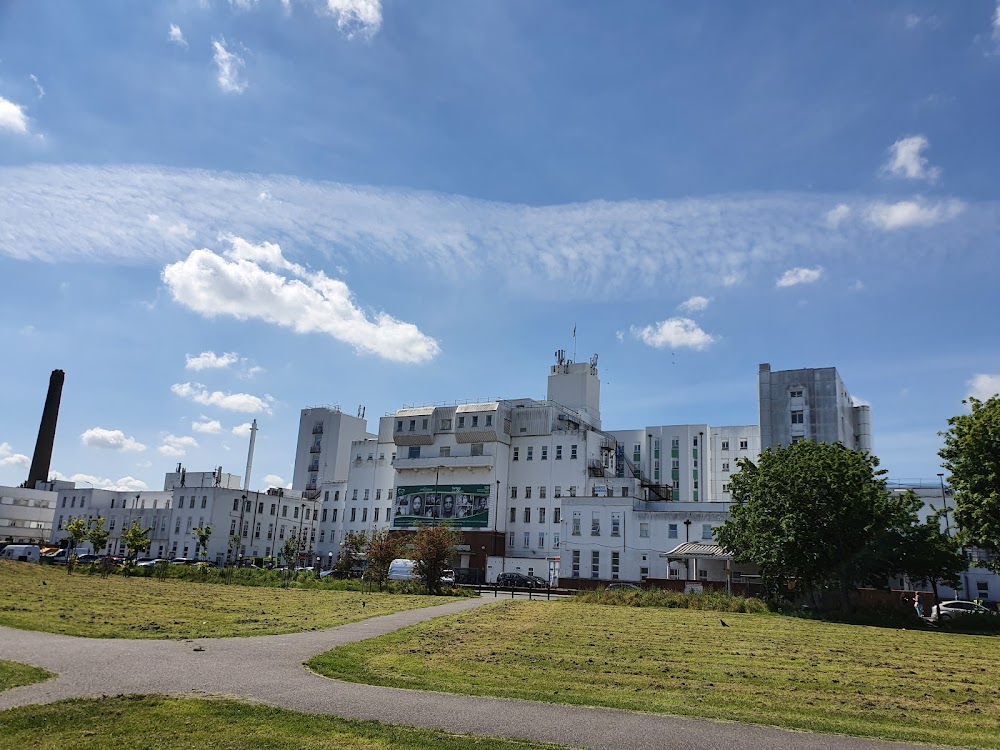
[14, 675]
[40, 597]
[136, 723]
[766, 669]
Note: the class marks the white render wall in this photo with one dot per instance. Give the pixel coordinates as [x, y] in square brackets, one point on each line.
[26, 515]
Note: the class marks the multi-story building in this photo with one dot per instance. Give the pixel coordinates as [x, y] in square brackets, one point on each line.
[26, 514]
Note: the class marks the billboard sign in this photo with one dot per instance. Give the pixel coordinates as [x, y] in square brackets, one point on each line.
[460, 505]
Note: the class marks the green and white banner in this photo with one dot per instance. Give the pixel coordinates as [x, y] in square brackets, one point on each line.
[459, 505]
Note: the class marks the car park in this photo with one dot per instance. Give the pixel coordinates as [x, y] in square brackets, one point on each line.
[956, 608]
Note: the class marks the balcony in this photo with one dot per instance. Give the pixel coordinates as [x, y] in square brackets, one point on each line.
[311, 486]
[318, 429]
[314, 466]
[315, 449]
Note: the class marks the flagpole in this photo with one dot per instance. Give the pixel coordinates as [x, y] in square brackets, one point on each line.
[574, 342]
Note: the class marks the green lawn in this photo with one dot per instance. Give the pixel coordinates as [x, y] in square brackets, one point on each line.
[767, 669]
[14, 675]
[137, 723]
[42, 597]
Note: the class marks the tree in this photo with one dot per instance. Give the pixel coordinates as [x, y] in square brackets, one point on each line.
[432, 549]
[136, 539]
[971, 456]
[76, 532]
[817, 514]
[932, 555]
[383, 548]
[351, 551]
[97, 535]
[201, 536]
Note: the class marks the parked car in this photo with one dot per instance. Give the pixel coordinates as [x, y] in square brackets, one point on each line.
[402, 569]
[20, 552]
[623, 586]
[955, 608]
[520, 580]
[150, 562]
[448, 577]
[60, 557]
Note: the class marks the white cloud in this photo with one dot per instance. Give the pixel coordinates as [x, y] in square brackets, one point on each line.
[176, 229]
[906, 160]
[984, 386]
[855, 401]
[9, 458]
[796, 276]
[241, 402]
[12, 117]
[732, 279]
[207, 426]
[996, 22]
[857, 286]
[125, 484]
[238, 283]
[361, 18]
[273, 480]
[230, 67]
[210, 361]
[115, 440]
[677, 333]
[916, 213]
[242, 430]
[175, 447]
[694, 304]
[176, 36]
[38, 86]
[837, 215]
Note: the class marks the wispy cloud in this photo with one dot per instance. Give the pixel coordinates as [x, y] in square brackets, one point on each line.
[38, 86]
[12, 117]
[357, 18]
[242, 430]
[796, 276]
[176, 36]
[837, 215]
[984, 386]
[996, 22]
[9, 458]
[677, 333]
[247, 282]
[239, 402]
[915, 213]
[115, 440]
[694, 304]
[125, 484]
[229, 68]
[207, 426]
[177, 447]
[210, 361]
[906, 160]
[273, 480]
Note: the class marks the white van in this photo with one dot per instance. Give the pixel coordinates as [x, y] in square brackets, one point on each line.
[402, 570]
[20, 552]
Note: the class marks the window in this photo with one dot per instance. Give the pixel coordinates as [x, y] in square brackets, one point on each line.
[366, 497]
[615, 558]
[527, 540]
[675, 443]
[595, 523]
[558, 453]
[636, 451]
[643, 574]
[624, 491]
[576, 523]
[516, 454]
[336, 493]
[706, 531]
[489, 420]
[413, 425]
[725, 445]
[743, 445]
[399, 425]
[541, 515]
[557, 491]
[527, 515]
[204, 500]
[572, 451]
[423, 426]
[557, 515]
[232, 527]
[576, 564]
[798, 417]
[413, 451]
[236, 504]
[795, 394]
[475, 421]
[354, 514]
[323, 519]
[675, 463]
[513, 491]
[284, 511]
[461, 421]
[274, 508]
[545, 453]
[644, 529]
[364, 515]
[572, 490]
[595, 563]
[541, 540]
[555, 540]
[334, 518]
[376, 514]
[616, 524]
[513, 515]
[725, 488]
[725, 466]
[530, 453]
[510, 539]
[541, 491]
[256, 532]
[672, 531]
[378, 494]
[694, 442]
[445, 424]
[477, 449]
[527, 492]
[281, 532]
[444, 451]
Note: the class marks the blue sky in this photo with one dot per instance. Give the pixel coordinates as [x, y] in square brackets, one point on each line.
[219, 210]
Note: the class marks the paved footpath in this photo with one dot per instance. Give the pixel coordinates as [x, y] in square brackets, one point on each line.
[269, 669]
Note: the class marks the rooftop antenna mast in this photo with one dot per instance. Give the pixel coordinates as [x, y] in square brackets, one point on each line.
[574, 342]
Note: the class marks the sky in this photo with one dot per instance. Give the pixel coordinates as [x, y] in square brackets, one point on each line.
[214, 211]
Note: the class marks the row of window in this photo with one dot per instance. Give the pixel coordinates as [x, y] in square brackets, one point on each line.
[543, 491]
[526, 540]
[445, 424]
[529, 453]
[556, 515]
[744, 444]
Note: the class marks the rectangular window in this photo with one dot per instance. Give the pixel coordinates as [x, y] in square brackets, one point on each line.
[797, 417]
[595, 563]
[413, 451]
[204, 500]
[477, 449]
[475, 421]
[413, 425]
[576, 523]
[555, 539]
[576, 563]
[489, 420]
[364, 515]
[366, 495]
[236, 504]
[527, 492]
[510, 539]
[274, 508]
[527, 540]
[423, 424]
[557, 515]
[725, 488]
[616, 524]
[334, 518]
[513, 491]
[672, 531]
[378, 494]
[354, 514]
[675, 443]
[281, 532]
[557, 491]
[643, 574]
[706, 531]
[595, 523]
[445, 424]
[527, 515]
[323, 519]
[399, 425]
[232, 527]
[545, 453]
[541, 491]
[558, 453]
[725, 445]
[541, 515]
[615, 559]
[256, 532]
[461, 421]
[644, 529]
[354, 496]
[725, 466]
[270, 530]
[513, 515]
[515, 456]
[376, 514]
[530, 453]
[444, 451]
[572, 451]
[795, 394]
[541, 540]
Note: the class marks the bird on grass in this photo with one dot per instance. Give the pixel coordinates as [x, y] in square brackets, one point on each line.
[362, 604]
[44, 583]
[724, 623]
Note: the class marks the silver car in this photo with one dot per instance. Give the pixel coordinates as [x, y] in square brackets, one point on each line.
[955, 608]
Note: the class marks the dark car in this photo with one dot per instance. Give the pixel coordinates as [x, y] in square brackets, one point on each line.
[519, 580]
[623, 586]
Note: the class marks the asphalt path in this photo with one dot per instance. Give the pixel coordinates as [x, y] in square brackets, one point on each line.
[269, 669]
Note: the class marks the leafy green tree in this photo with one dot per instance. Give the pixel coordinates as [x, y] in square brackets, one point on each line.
[817, 514]
[136, 540]
[931, 555]
[202, 535]
[432, 549]
[971, 456]
[97, 535]
[383, 548]
[76, 532]
[351, 551]
[290, 550]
